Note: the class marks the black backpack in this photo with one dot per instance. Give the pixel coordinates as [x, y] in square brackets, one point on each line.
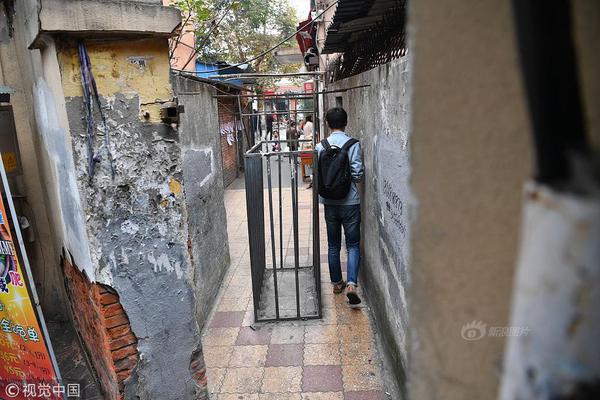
[335, 176]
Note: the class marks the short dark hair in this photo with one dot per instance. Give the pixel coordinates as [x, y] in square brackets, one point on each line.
[309, 118]
[337, 118]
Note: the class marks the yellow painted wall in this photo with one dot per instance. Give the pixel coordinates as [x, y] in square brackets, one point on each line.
[117, 67]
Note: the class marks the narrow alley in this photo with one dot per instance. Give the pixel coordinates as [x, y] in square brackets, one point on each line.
[333, 358]
[177, 178]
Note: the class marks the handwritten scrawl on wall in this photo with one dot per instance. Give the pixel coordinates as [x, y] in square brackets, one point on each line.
[230, 129]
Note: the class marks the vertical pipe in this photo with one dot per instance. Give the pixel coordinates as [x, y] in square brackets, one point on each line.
[273, 244]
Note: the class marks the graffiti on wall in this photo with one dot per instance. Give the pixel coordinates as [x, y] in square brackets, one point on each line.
[394, 207]
[392, 187]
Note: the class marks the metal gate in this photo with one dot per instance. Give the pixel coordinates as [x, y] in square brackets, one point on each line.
[283, 224]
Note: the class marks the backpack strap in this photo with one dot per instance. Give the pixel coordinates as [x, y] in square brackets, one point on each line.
[325, 144]
[351, 142]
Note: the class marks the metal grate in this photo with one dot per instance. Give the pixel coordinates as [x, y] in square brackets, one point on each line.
[284, 287]
[383, 42]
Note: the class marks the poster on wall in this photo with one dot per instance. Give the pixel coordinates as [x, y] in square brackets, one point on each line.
[27, 366]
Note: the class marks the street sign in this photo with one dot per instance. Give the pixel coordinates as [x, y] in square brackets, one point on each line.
[309, 87]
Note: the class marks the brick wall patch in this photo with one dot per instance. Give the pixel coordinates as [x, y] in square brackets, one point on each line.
[104, 328]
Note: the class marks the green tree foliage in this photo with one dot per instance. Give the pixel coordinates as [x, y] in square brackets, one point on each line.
[237, 30]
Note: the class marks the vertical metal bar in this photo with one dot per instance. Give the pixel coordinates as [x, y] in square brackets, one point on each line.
[280, 214]
[256, 225]
[273, 244]
[315, 198]
[294, 158]
[316, 234]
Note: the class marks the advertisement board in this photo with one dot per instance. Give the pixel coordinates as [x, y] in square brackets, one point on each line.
[27, 367]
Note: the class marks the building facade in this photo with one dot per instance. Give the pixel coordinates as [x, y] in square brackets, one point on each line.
[112, 180]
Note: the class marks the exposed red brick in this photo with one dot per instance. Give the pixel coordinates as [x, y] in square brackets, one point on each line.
[228, 152]
[119, 331]
[112, 310]
[122, 375]
[126, 364]
[102, 289]
[128, 339]
[104, 328]
[123, 352]
[117, 320]
[108, 298]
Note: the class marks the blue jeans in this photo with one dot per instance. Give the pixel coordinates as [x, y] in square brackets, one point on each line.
[349, 218]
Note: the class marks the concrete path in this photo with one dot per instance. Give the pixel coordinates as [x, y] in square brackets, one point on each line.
[335, 358]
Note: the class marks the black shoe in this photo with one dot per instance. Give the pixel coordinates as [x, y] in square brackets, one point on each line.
[353, 298]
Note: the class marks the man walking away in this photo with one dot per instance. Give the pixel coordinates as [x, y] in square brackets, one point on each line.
[340, 168]
[292, 134]
[269, 120]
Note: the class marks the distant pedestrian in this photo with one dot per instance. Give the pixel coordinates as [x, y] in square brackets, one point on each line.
[340, 168]
[291, 134]
[256, 129]
[308, 131]
[277, 144]
[269, 123]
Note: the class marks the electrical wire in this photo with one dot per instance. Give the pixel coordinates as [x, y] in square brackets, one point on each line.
[90, 95]
[205, 40]
[264, 52]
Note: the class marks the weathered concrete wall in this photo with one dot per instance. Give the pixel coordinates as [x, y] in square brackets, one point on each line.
[44, 147]
[379, 117]
[17, 71]
[133, 233]
[470, 155]
[101, 18]
[137, 224]
[204, 193]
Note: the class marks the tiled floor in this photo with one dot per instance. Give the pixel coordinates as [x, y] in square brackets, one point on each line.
[330, 359]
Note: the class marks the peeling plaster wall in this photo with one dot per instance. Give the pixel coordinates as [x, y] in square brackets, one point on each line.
[379, 117]
[204, 193]
[137, 225]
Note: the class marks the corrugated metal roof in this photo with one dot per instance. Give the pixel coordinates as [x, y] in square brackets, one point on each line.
[353, 20]
[6, 90]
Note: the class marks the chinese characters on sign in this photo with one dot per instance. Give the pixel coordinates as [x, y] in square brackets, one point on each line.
[25, 364]
[309, 87]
